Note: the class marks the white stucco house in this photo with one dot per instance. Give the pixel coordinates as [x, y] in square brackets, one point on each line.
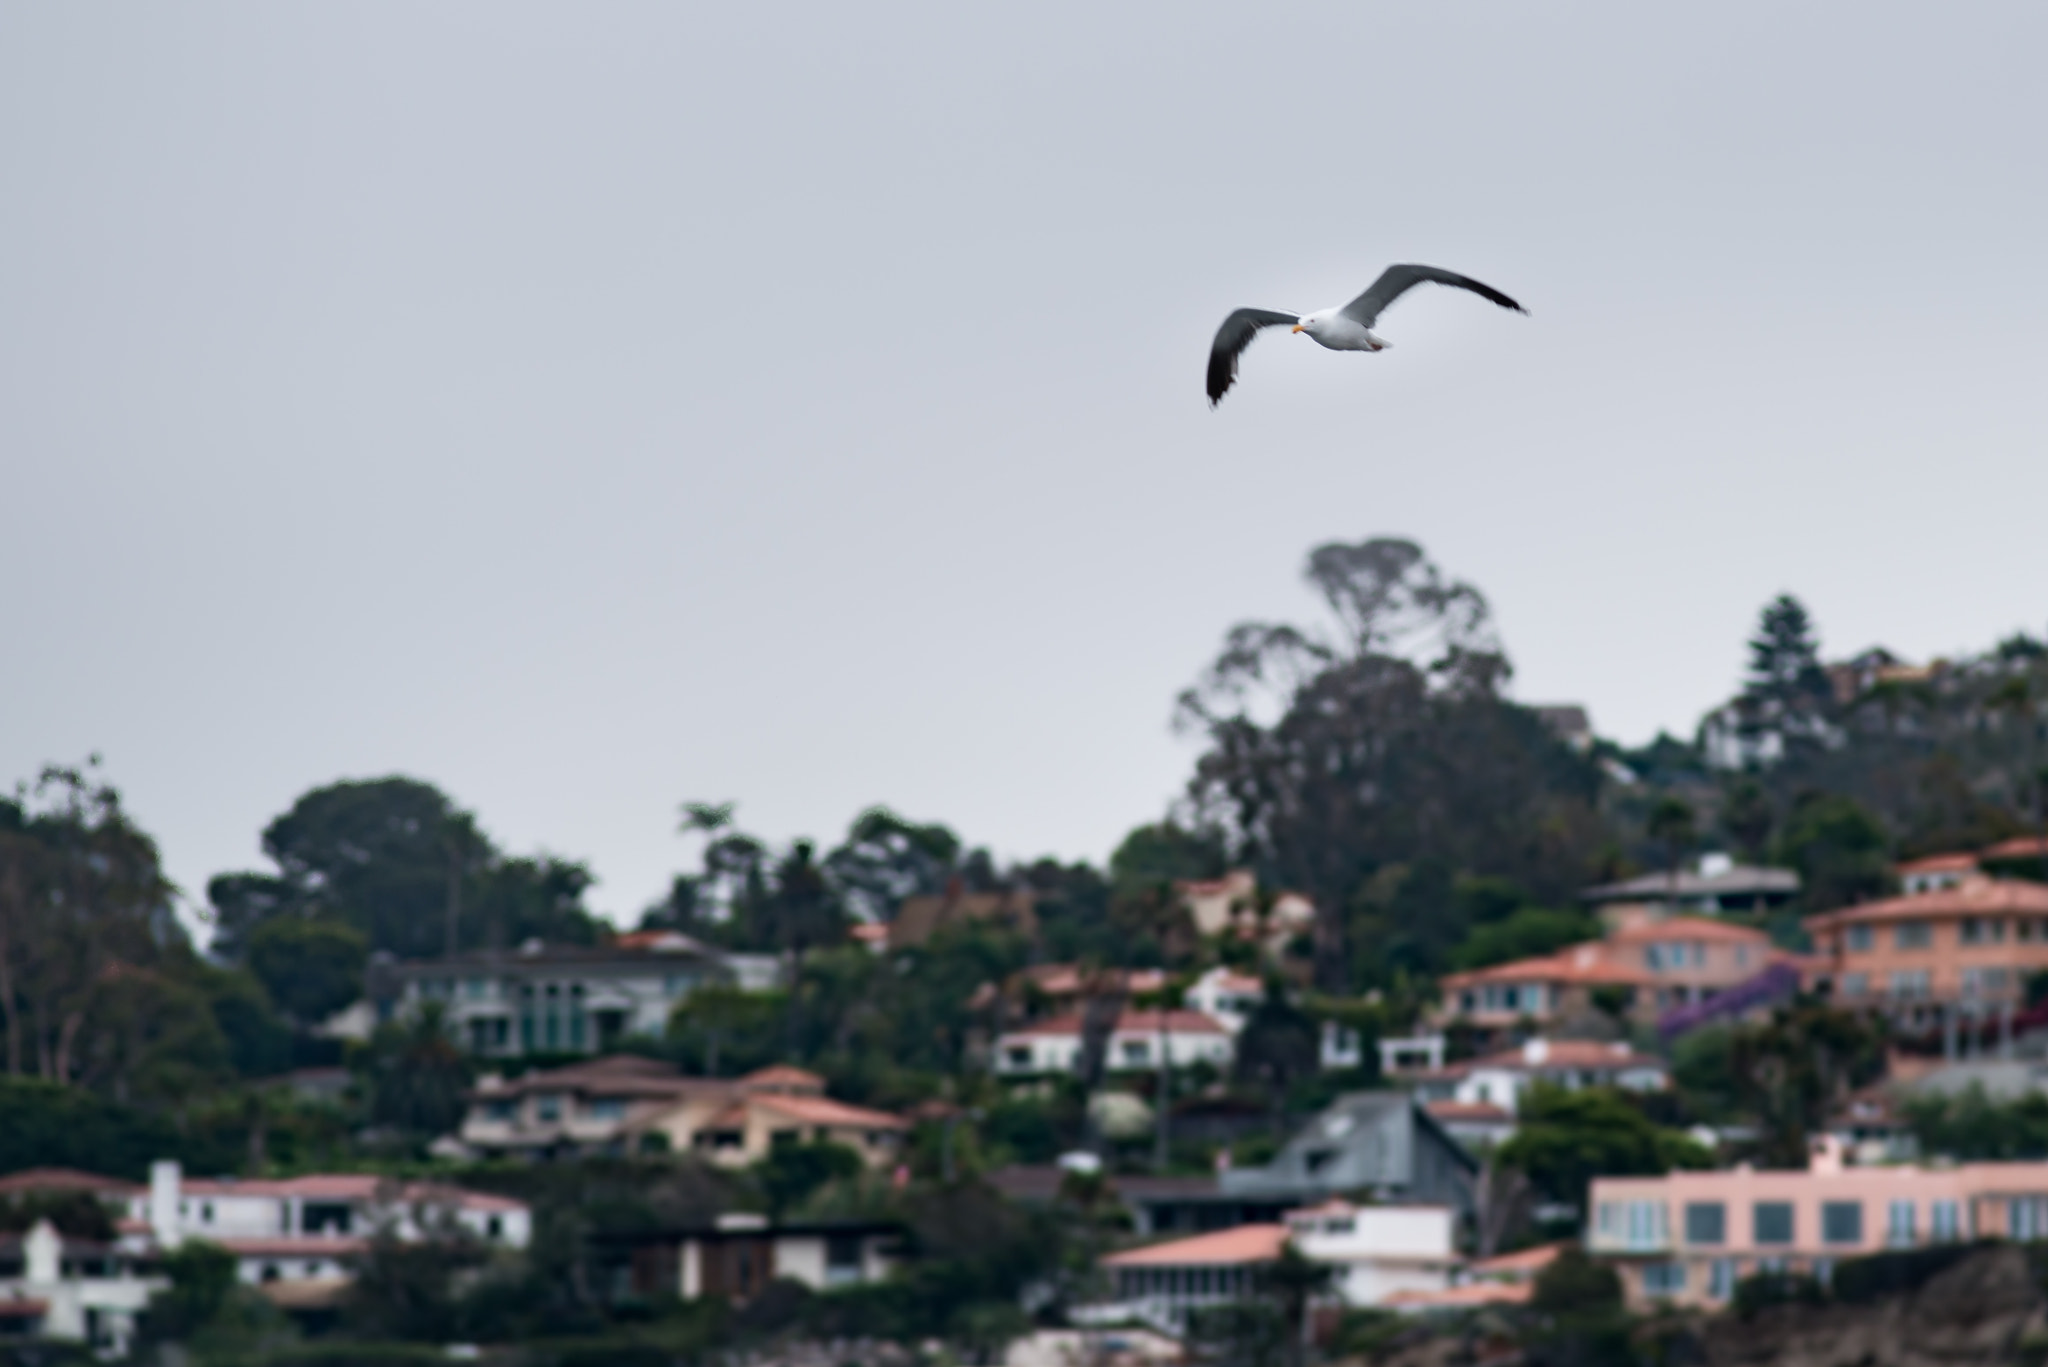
[1139, 1041]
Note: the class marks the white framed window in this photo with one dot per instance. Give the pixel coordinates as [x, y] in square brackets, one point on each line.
[1899, 1223]
[1663, 1279]
[1944, 1221]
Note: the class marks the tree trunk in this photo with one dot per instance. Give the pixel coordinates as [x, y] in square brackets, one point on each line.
[10, 908]
[67, 1037]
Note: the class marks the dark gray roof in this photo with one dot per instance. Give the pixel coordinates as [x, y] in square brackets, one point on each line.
[1740, 881]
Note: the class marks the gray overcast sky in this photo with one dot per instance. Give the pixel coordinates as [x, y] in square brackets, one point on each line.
[593, 407]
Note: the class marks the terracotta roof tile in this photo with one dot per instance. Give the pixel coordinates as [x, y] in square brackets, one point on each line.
[820, 1110]
[1526, 1263]
[66, 1179]
[1977, 896]
[1467, 1110]
[1586, 963]
[1939, 863]
[1245, 1244]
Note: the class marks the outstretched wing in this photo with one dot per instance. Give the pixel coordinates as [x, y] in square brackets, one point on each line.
[1396, 281]
[1231, 339]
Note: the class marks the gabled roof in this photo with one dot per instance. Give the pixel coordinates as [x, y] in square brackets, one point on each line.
[783, 1077]
[1588, 963]
[1227, 1247]
[2019, 847]
[807, 1110]
[1939, 863]
[1974, 896]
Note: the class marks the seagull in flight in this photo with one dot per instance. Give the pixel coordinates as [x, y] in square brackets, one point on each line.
[1340, 329]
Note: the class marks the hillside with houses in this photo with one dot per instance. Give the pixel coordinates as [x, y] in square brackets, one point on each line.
[1424, 1021]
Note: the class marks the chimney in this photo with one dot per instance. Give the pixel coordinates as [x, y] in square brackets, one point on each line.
[166, 1179]
[43, 1252]
[1535, 1050]
[1825, 1158]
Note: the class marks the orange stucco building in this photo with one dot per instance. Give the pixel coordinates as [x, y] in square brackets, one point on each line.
[1972, 944]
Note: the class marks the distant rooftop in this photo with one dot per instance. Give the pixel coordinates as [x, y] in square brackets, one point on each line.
[1716, 881]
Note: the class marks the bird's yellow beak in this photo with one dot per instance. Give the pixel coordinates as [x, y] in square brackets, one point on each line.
[1295, 328]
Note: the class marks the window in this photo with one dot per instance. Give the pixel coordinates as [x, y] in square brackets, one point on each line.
[1468, 1001]
[1898, 1223]
[476, 989]
[1841, 1222]
[1982, 930]
[1663, 1279]
[1721, 1279]
[2026, 1218]
[1773, 1222]
[1910, 985]
[2028, 930]
[1742, 956]
[1912, 935]
[1137, 1050]
[1944, 1221]
[605, 1108]
[1646, 1224]
[494, 1228]
[1858, 939]
[206, 1212]
[842, 1259]
[549, 1106]
[503, 1112]
[1984, 982]
[1855, 984]
[1706, 1222]
[1018, 1055]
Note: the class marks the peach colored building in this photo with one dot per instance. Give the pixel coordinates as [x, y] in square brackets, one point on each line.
[1690, 1236]
[1971, 944]
[776, 1105]
[1538, 990]
[1662, 962]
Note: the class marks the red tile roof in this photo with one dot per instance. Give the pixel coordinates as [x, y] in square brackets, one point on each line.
[1940, 863]
[1468, 1110]
[1526, 1263]
[1245, 1244]
[1977, 896]
[2021, 847]
[821, 1110]
[66, 1179]
[1586, 963]
[782, 1077]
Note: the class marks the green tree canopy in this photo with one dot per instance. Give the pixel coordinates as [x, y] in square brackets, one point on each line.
[1331, 758]
[396, 861]
[1564, 1139]
[1842, 852]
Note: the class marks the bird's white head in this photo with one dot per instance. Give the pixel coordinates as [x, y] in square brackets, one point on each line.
[1310, 323]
